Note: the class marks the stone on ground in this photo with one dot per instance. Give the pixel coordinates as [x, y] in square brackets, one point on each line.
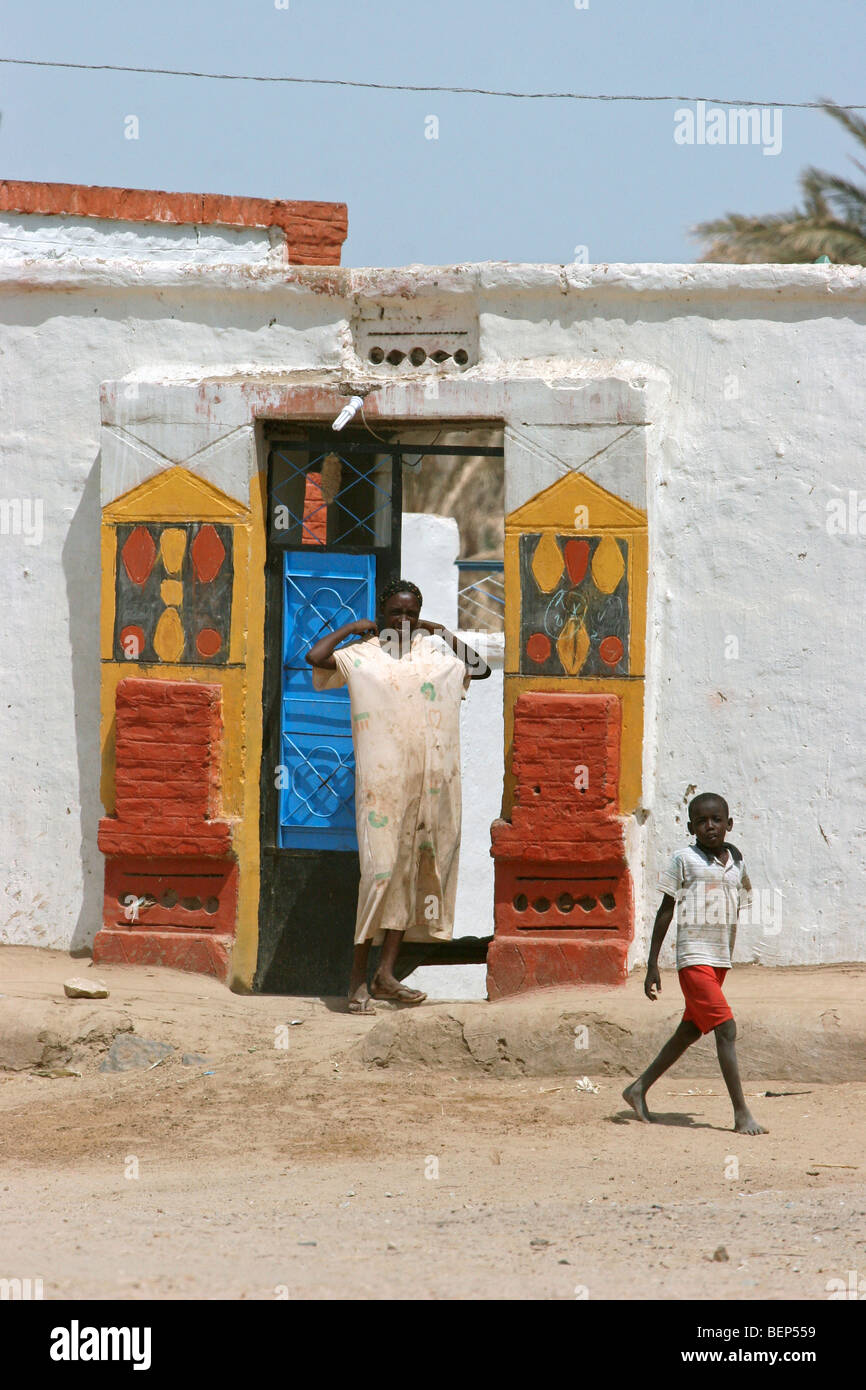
[129, 1052]
[79, 988]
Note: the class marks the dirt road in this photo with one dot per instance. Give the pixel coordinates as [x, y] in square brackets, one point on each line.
[299, 1171]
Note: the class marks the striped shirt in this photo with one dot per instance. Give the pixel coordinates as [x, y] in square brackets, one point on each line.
[710, 897]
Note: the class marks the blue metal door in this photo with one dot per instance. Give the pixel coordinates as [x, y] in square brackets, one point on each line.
[316, 779]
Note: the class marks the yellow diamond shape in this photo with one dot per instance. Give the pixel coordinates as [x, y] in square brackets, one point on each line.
[608, 566]
[547, 562]
[572, 646]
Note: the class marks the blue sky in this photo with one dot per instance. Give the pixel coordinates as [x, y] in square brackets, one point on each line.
[505, 180]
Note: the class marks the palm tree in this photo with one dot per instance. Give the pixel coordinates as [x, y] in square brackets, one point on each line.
[832, 222]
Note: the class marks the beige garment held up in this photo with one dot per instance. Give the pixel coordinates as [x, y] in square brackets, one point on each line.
[406, 732]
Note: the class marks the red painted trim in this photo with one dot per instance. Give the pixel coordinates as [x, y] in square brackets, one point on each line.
[314, 232]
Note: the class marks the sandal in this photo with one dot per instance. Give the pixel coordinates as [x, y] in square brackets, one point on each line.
[361, 1006]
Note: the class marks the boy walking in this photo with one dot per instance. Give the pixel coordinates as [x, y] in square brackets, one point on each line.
[710, 882]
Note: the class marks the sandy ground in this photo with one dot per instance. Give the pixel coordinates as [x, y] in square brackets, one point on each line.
[303, 1172]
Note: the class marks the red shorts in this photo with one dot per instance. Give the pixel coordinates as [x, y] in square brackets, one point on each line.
[706, 1006]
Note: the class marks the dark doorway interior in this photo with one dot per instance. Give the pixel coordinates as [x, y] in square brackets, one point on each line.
[334, 523]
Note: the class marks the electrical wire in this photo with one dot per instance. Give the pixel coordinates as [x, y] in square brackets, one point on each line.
[407, 87]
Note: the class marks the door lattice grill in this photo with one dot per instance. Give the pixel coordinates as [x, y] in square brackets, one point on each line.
[322, 497]
[318, 612]
[322, 781]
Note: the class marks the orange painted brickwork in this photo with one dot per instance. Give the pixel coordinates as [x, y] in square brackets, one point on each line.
[553, 738]
[563, 897]
[171, 880]
[315, 511]
[168, 745]
[554, 817]
[314, 232]
[196, 952]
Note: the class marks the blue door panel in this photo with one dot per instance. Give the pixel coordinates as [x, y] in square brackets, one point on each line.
[321, 591]
[319, 715]
[317, 804]
[298, 682]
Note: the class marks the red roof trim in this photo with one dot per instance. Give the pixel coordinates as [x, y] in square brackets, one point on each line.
[314, 232]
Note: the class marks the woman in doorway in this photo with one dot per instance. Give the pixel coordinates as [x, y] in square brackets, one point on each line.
[405, 691]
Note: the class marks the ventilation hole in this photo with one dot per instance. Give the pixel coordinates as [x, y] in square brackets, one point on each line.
[542, 904]
[608, 901]
[461, 357]
[440, 356]
[395, 357]
[417, 357]
[376, 355]
[212, 905]
[191, 904]
[565, 902]
[521, 902]
[587, 904]
[537, 791]
[169, 898]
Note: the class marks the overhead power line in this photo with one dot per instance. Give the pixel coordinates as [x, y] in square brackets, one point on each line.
[407, 87]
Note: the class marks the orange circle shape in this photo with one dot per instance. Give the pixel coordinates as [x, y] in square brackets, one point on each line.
[132, 641]
[208, 642]
[538, 648]
[610, 651]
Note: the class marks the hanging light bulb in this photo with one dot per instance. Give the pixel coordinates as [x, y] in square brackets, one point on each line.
[348, 412]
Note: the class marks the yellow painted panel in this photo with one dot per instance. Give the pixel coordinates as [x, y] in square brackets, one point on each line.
[107, 586]
[556, 506]
[171, 592]
[554, 511]
[175, 494]
[168, 640]
[172, 546]
[247, 840]
[240, 594]
[631, 692]
[512, 601]
[637, 587]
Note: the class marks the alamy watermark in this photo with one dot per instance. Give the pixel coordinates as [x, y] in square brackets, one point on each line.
[720, 906]
[847, 518]
[732, 125]
[854, 1288]
[77, 1343]
[20, 1289]
[22, 516]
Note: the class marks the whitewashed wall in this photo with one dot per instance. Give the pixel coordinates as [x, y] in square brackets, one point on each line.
[430, 546]
[482, 738]
[754, 683]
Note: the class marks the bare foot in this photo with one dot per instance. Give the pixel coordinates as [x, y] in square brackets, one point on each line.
[635, 1096]
[385, 988]
[746, 1123]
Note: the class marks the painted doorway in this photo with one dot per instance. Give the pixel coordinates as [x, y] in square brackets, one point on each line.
[333, 542]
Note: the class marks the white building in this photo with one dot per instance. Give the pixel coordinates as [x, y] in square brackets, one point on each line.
[725, 403]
